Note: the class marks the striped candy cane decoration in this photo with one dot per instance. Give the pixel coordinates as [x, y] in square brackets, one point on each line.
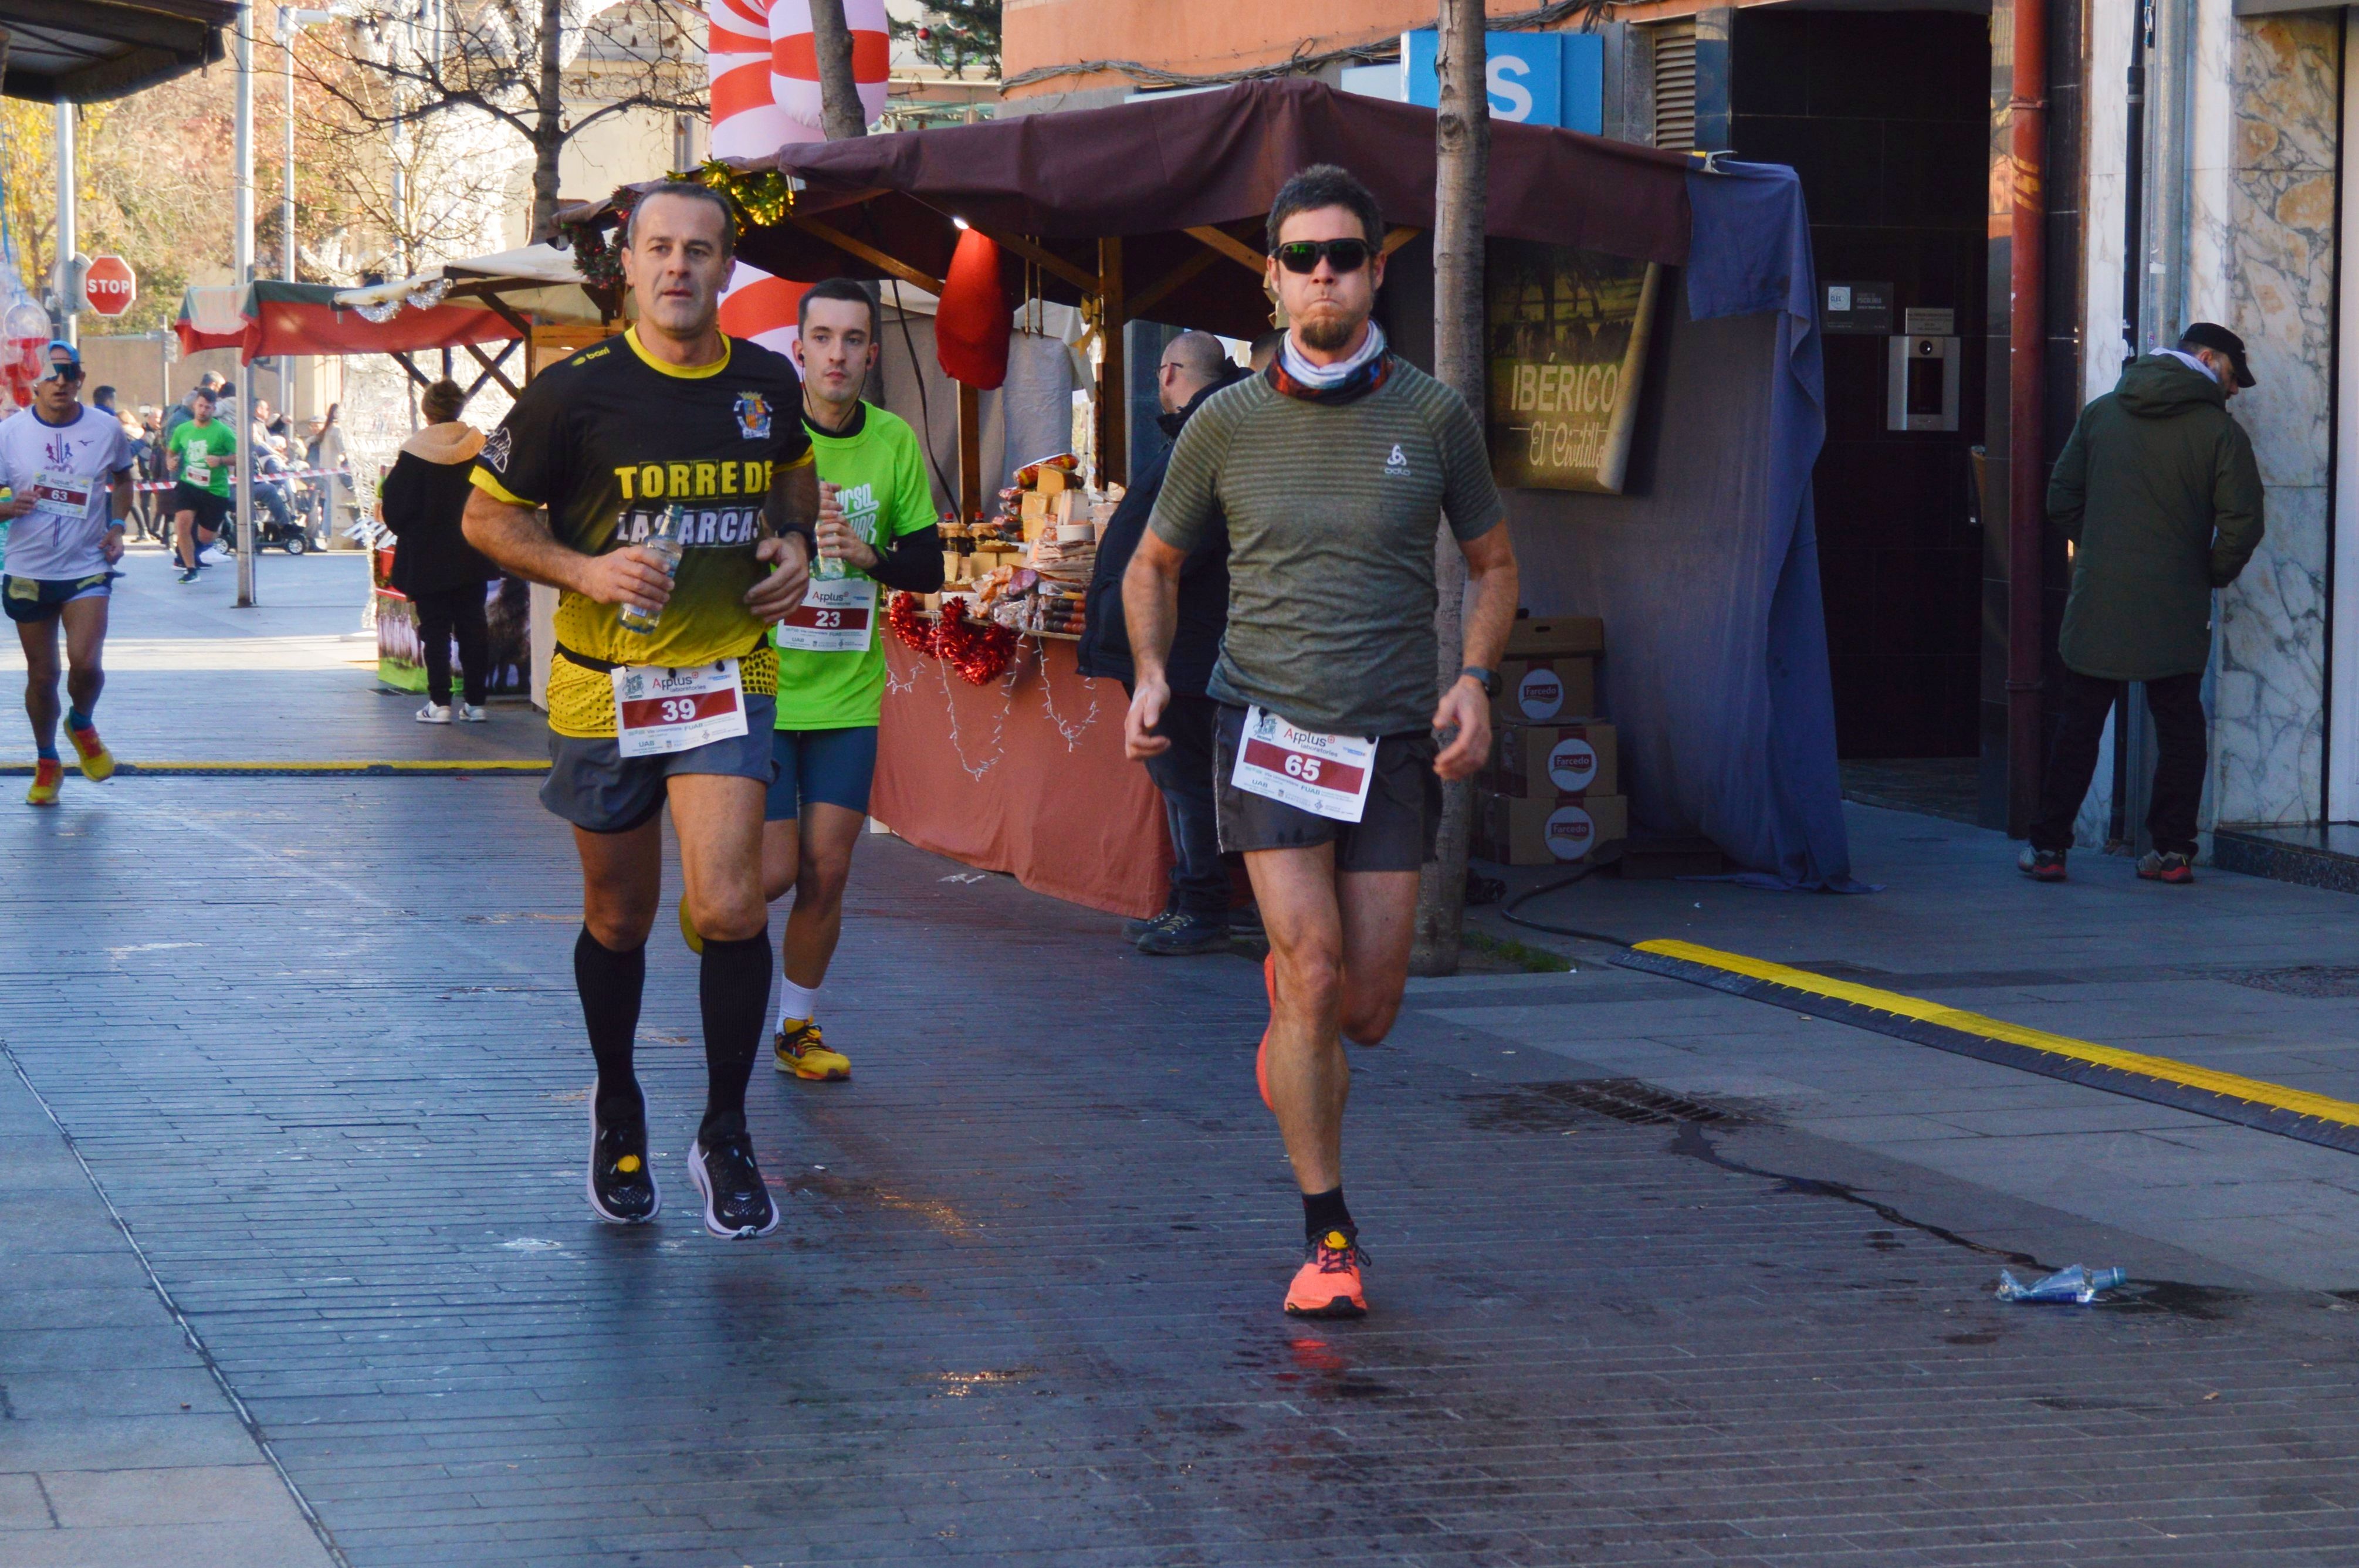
[794, 57]
[748, 122]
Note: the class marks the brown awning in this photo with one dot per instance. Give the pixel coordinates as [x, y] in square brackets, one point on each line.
[1049, 186]
[83, 51]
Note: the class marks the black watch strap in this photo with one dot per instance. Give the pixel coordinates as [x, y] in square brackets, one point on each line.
[1486, 678]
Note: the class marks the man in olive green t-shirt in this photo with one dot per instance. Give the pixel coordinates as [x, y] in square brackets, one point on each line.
[1329, 467]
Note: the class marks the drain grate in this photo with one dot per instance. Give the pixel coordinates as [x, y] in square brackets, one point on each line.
[2321, 980]
[1557, 1107]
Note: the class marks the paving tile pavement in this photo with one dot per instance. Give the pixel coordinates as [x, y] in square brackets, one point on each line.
[317, 1041]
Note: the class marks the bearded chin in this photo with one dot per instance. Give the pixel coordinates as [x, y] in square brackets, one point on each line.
[1327, 334]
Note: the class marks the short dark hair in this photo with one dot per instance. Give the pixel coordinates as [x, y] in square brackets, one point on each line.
[440, 402]
[1326, 185]
[851, 291]
[204, 392]
[693, 192]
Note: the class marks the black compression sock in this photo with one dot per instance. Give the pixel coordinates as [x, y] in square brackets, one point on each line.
[611, 984]
[733, 990]
[1323, 1212]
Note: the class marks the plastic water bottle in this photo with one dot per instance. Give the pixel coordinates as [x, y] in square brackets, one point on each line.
[664, 542]
[2072, 1284]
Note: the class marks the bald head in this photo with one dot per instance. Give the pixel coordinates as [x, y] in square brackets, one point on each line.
[1191, 362]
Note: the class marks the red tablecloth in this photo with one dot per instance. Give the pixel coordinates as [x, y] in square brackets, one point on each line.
[1025, 775]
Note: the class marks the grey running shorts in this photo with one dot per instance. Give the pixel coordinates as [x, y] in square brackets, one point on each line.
[1396, 832]
[593, 786]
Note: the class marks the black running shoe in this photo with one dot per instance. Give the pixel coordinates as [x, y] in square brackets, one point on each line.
[736, 1203]
[622, 1185]
[1133, 929]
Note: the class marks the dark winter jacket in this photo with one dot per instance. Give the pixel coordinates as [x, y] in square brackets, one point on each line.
[1204, 580]
[2160, 497]
[425, 496]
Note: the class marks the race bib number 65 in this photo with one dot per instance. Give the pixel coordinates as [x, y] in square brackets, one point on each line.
[661, 711]
[1325, 774]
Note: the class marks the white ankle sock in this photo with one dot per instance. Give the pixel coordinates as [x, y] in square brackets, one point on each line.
[795, 1002]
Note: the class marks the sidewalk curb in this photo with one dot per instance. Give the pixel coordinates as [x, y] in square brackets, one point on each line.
[2225, 1097]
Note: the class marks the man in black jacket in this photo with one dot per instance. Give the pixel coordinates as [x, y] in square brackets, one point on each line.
[1196, 918]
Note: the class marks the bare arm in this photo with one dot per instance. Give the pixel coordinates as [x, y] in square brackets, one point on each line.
[1150, 609]
[1465, 707]
[519, 543]
[792, 506]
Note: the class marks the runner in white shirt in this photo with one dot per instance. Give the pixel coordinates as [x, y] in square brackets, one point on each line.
[67, 469]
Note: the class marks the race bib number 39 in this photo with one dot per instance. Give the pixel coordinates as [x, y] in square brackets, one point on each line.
[837, 616]
[662, 711]
[1325, 774]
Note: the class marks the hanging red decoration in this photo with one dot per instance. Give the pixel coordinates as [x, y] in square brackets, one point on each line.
[979, 650]
[972, 320]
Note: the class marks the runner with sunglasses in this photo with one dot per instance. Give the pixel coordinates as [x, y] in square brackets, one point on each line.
[67, 469]
[1331, 467]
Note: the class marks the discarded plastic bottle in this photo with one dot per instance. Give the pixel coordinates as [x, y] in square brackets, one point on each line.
[664, 542]
[2073, 1284]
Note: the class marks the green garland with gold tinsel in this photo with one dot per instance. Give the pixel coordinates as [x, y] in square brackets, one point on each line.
[760, 199]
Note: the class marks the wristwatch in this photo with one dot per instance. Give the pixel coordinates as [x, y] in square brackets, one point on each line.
[1486, 678]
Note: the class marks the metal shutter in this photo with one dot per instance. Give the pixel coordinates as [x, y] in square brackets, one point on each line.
[1675, 85]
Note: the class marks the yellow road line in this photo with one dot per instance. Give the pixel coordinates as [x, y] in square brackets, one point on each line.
[2230, 1084]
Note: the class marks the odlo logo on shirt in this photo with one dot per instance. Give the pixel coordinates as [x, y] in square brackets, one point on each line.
[1396, 465]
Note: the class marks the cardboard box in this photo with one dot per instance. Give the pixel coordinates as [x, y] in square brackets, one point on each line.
[1533, 636]
[1545, 690]
[1548, 832]
[1554, 761]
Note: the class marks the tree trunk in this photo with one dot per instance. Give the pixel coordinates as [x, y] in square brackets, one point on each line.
[548, 119]
[841, 115]
[1461, 159]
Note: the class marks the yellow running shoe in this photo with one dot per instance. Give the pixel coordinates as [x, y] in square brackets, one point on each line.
[688, 931]
[97, 762]
[48, 773]
[800, 1052]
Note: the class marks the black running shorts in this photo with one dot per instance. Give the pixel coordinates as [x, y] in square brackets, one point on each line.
[1394, 833]
[212, 510]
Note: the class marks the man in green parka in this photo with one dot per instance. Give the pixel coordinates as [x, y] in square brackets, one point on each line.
[2159, 495]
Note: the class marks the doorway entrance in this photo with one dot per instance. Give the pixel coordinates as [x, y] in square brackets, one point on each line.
[1886, 115]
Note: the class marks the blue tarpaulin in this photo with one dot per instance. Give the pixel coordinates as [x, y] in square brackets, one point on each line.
[1706, 572]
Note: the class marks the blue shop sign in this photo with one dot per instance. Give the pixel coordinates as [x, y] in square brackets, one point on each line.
[1535, 78]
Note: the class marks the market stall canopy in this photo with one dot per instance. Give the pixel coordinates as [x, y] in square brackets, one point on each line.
[539, 280]
[1183, 183]
[83, 51]
[271, 318]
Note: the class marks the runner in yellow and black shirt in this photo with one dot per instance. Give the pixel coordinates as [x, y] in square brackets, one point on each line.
[664, 686]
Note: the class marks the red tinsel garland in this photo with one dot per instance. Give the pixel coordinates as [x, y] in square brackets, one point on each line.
[979, 651]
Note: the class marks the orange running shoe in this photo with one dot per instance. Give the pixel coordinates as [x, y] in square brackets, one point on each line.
[97, 762]
[1328, 1283]
[48, 773]
[1261, 1057]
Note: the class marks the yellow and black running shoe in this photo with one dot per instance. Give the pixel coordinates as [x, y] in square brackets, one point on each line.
[800, 1050]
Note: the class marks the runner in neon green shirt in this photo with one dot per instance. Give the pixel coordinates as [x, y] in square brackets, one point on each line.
[877, 533]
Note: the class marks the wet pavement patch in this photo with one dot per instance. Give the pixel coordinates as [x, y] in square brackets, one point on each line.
[2322, 981]
[1570, 1106]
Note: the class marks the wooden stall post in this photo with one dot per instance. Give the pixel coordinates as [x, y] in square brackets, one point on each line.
[970, 437]
[1114, 397]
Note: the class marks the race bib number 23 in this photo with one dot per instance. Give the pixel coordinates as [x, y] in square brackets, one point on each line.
[661, 711]
[837, 616]
[1325, 774]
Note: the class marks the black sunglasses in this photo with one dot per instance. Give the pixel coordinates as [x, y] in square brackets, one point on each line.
[1302, 256]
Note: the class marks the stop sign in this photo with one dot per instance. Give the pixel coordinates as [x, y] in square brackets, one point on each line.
[109, 287]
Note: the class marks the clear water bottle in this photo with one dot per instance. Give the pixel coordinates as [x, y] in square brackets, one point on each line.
[663, 542]
[827, 568]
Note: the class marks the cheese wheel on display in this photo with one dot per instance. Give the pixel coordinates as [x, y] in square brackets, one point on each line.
[793, 59]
